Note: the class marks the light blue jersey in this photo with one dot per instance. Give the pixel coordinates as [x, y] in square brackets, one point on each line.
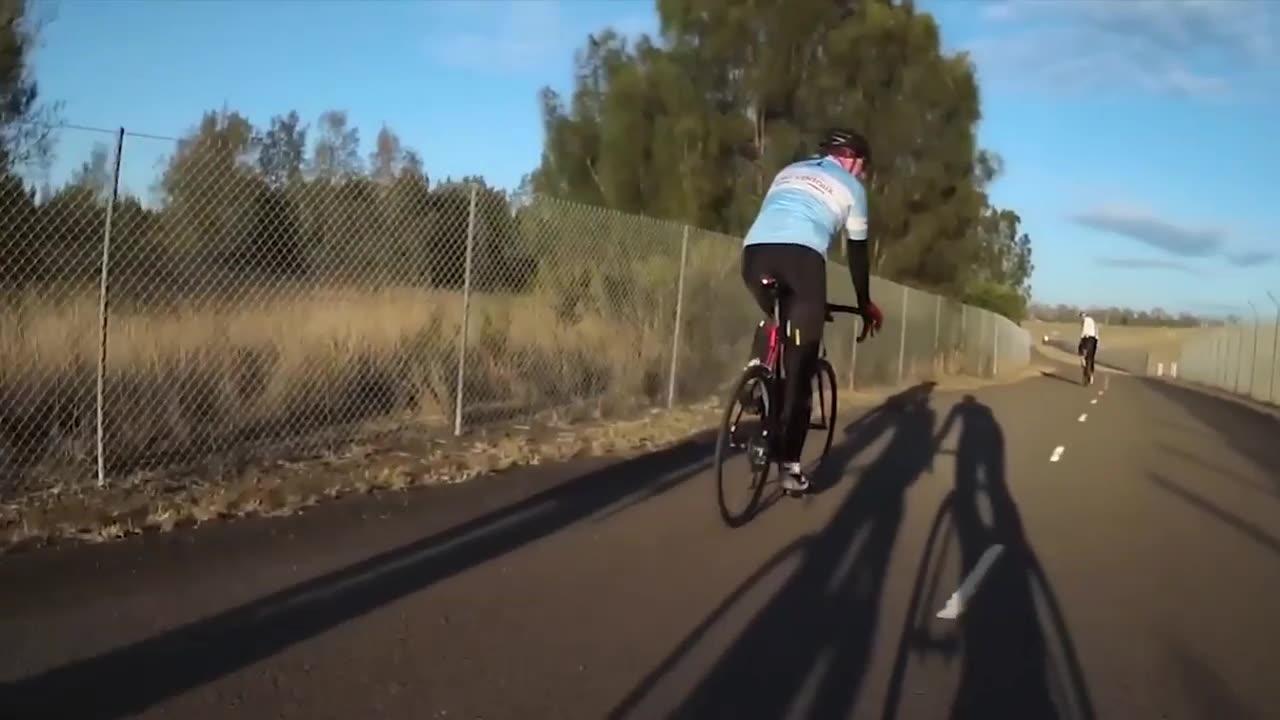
[807, 204]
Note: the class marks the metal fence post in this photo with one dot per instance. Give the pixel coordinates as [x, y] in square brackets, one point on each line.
[989, 323]
[1239, 358]
[675, 332]
[995, 347]
[937, 332]
[902, 336]
[102, 311]
[1219, 357]
[466, 314]
[1275, 349]
[1253, 357]
[1224, 362]
[853, 364]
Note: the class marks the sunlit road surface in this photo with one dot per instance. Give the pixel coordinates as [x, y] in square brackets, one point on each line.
[1037, 550]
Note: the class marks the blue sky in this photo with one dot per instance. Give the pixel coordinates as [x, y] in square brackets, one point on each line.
[1137, 136]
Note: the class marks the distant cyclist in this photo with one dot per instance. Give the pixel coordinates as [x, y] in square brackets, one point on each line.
[1088, 348]
[807, 205]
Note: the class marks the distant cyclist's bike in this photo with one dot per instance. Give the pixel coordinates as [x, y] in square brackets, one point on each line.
[1086, 366]
[752, 421]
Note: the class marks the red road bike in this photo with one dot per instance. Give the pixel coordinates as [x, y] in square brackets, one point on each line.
[756, 399]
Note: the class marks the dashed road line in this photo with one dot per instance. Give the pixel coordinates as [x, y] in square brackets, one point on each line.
[960, 598]
[1083, 417]
[1093, 401]
[1057, 454]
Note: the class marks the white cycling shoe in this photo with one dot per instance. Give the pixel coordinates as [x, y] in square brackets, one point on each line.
[793, 479]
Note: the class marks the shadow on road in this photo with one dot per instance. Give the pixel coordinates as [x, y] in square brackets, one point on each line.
[1217, 470]
[1248, 432]
[1231, 520]
[815, 636]
[1205, 691]
[1016, 655]
[1063, 378]
[130, 679]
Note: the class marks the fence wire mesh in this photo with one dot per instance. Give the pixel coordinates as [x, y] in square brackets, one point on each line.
[1241, 359]
[50, 270]
[250, 304]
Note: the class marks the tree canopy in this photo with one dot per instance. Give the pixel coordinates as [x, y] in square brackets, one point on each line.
[688, 126]
[692, 125]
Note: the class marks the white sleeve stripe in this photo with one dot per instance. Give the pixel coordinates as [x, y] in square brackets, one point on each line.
[856, 226]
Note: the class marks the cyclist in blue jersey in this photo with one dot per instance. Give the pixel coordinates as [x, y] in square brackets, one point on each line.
[807, 205]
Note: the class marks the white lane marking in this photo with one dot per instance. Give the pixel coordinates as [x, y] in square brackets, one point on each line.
[1057, 454]
[1093, 401]
[1082, 417]
[960, 598]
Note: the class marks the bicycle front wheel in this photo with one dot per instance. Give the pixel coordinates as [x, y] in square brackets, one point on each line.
[822, 417]
[744, 429]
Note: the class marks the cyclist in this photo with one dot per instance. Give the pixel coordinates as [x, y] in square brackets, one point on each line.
[808, 203]
[1088, 347]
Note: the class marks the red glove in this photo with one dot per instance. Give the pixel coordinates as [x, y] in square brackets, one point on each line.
[872, 316]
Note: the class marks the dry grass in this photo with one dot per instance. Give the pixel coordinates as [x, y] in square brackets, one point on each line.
[267, 402]
[202, 378]
[161, 502]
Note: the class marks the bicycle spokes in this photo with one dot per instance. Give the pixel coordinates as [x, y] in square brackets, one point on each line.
[821, 424]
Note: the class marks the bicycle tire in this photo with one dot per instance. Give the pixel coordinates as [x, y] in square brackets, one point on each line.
[825, 370]
[724, 449]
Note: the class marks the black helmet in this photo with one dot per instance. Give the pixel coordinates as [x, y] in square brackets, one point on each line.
[849, 139]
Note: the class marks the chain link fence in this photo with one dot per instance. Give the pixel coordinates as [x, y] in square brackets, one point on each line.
[1241, 359]
[234, 306]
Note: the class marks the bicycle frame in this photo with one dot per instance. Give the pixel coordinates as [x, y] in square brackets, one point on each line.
[773, 356]
[773, 359]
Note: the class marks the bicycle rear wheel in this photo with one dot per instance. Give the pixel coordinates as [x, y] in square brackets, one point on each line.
[823, 414]
[745, 429]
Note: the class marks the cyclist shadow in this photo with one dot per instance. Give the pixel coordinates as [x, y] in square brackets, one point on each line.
[815, 635]
[910, 404]
[1017, 658]
[858, 436]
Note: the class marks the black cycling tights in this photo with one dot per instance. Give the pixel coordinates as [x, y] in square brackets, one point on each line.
[801, 273]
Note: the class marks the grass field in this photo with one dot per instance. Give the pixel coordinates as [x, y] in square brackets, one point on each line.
[197, 379]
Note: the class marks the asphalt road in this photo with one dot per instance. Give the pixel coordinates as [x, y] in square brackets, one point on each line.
[1136, 576]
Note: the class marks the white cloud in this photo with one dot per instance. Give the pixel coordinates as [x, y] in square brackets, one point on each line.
[1174, 238]
[1190, 48]
[1154, 231]
[1125, 263]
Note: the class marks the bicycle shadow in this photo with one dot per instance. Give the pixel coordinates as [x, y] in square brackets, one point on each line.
[826, 474]
[1056, 376]
[815, 635]
[1017, 657]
